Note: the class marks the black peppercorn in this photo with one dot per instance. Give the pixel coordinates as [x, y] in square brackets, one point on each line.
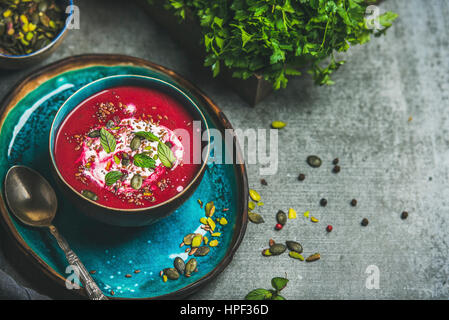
[364, 222]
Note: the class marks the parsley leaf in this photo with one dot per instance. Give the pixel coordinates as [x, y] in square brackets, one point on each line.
[277, 38]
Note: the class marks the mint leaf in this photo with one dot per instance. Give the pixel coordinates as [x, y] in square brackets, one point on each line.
[112, 177]
[147, 135]
[166, 155]
[279, 283]
[258, 294]
[144, 161]
[107, 140]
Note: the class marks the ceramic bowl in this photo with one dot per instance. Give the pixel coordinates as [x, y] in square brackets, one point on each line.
[12, 62]
[127, 217]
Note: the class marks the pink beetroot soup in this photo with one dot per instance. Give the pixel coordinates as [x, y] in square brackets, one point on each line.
[119, 148]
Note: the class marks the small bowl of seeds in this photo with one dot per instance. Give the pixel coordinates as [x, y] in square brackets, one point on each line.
[30, 30]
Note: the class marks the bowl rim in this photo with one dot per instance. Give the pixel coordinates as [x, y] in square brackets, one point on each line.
[144, 209]
[48, 46]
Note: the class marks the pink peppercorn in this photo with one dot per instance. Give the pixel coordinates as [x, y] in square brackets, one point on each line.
[278, 226]
[329, 228]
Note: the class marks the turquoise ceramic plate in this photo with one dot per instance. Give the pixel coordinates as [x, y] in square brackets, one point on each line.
[115, 252]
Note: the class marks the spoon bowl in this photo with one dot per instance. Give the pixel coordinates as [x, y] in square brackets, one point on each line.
[33, 201]
[30, 197]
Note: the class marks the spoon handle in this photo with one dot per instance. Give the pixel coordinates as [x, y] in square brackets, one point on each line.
[92, 290]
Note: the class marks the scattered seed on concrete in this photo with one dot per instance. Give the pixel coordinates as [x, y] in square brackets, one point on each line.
[314, 161]
[364, 222]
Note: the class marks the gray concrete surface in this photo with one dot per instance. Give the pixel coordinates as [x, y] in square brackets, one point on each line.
[389, 164]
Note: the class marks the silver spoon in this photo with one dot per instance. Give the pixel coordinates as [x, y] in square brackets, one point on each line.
[33, 201]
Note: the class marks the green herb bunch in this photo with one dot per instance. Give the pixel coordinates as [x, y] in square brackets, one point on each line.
[276, 38]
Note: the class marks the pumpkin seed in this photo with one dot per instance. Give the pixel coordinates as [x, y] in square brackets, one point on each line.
[251, 205]
[21, 24]
[136, 181]
[296, 255]
[203, 220]
[43, 5]
[180, 265]
[266, 252]
[135, 143]
[294, 246]
[190, 266]
[223, 221]
[196, 241]
[216, 234]
[193, 251]
[291, 213]
[254, 195]
[277, 249]
[313, 257]
[110, 124]
[125, 159]
[255, 218]
[89, 195]
[171, 273]
[94, 134]
[278, 124]
[202, 251]
[314, 161]
[210, 209]
[213, 243]
[211, 223]
[281, 217]
[188, 239]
